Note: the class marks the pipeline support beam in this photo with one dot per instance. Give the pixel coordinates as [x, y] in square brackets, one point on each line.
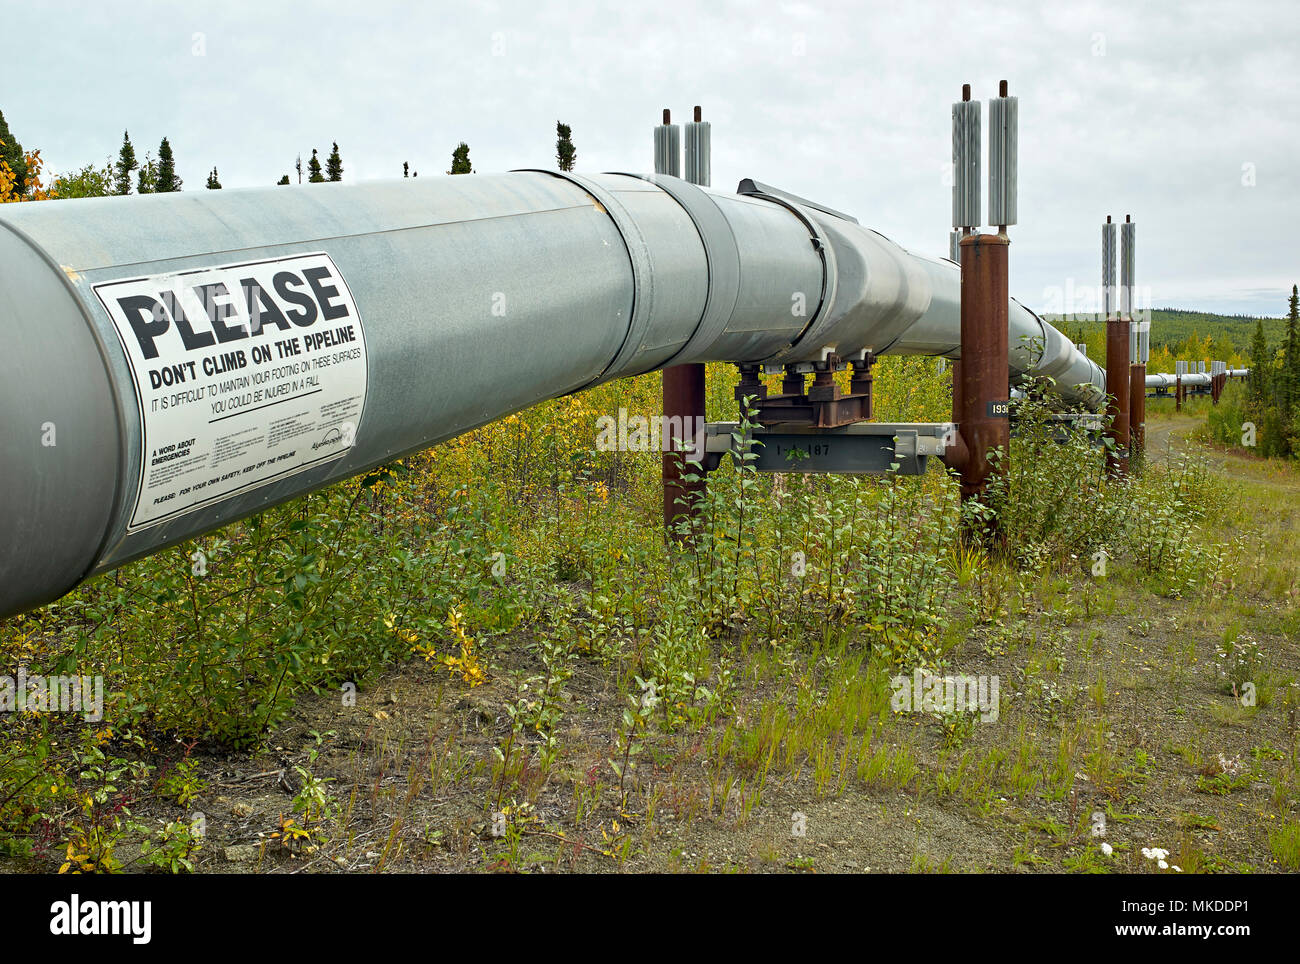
[1117, 389]
[683, 395]
[1137, 410]
[981, 408]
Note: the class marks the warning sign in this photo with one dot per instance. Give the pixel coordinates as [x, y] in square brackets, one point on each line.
[244, 373]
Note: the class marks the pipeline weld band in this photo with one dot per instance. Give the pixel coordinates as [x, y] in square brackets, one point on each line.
[638, 253]
[721, 253]
[830, 275]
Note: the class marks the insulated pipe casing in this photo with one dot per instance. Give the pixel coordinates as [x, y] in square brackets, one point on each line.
[468, 298]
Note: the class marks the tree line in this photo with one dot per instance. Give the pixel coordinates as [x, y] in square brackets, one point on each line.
[1272, 399]
[21, 172]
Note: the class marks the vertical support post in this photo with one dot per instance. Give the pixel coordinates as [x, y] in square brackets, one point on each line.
[683, 388]
[1137, 394]
[1118, 358]
[1117, 388]
[684, 385]
[1178, 393]
[981, 408]
[1137, 409]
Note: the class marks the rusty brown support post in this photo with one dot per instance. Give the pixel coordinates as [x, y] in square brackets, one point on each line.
[980, 407]
[1178, 393]
[1137, 408]
[684, 414]
[1117, 388]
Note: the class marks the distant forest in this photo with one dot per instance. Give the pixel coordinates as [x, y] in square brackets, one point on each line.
[1191, 335]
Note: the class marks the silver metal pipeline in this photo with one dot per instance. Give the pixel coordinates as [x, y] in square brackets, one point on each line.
[1160, 380]
[174, 362]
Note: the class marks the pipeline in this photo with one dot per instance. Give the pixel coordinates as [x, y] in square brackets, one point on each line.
[1165, 380]
[366, 322]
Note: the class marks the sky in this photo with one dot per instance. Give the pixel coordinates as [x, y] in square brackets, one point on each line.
[1184, 115]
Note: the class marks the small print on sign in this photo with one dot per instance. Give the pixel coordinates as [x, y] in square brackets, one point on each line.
[999, 409]
[244, 373]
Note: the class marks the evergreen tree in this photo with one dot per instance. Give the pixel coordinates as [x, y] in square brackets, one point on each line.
[11, 152]
[565, 152]
[284, 179]
[406, 169]
[213, 183]
[334, 164]
[1291, 364]
[1260, 365]
[165, 179]
[298, 166]
[460, 160]
[148, 179]
[126, 163]
[313, 166]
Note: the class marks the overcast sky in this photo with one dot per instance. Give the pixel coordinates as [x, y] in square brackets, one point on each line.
[1185, 115]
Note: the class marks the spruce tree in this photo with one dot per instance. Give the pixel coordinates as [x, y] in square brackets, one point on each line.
[284, 179]
[1284, 389]
[406, 169]
[565, 152]
[1291, 368]
[214, 184]
[11, 152]
[313, 166]
[460, 160]
[165, 180]
[1257, 380]
[126, 163]
[334, 164]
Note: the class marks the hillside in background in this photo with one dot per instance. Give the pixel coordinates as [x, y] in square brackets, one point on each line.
[1170, 326]
[1177, 333]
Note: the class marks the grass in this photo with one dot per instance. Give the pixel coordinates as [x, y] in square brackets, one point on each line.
[772, 693]
[1285, 845]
